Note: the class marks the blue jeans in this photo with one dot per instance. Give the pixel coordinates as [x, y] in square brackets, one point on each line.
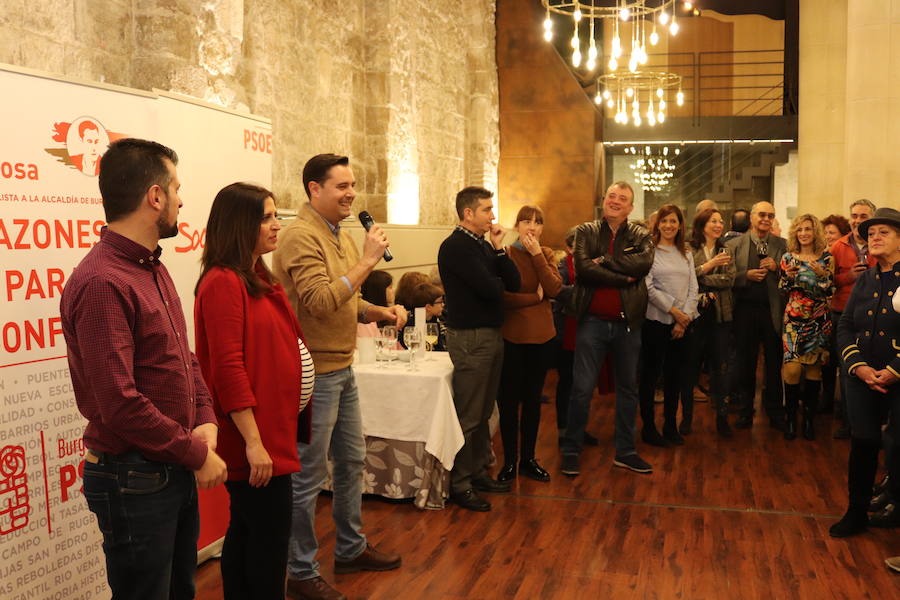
[148, 515]
[593, 340]
[336, 431]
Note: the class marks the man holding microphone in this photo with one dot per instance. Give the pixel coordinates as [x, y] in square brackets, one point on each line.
[321, 270]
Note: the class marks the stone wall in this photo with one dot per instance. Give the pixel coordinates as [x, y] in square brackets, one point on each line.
[406, 88]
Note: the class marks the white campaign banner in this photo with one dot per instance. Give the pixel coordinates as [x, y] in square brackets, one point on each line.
[50, 216]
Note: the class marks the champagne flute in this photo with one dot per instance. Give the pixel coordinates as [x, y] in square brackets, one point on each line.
[413, 340]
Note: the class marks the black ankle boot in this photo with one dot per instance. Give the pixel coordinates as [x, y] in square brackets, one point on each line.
[810, 398]
[791, 401]
[652, 437]
[722, 426]
[854, 521]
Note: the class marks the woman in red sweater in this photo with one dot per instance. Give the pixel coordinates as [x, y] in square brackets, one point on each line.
[259, 373]
[528, 333]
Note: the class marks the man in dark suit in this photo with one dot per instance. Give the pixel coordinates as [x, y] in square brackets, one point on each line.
[758, 314]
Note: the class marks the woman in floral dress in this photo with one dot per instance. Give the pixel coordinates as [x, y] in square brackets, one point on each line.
[807, 277]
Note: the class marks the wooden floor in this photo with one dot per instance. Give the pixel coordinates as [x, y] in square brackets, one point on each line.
[717, 519]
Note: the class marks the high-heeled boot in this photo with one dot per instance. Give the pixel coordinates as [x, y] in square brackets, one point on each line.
[810, 401]
[791, 401]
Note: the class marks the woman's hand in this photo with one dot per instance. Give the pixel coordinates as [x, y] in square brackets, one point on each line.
[260, 464]
[678, 331]
[818, 269]
[531, 244]
[870, 377]
[680, 317]
[885, 377]
[719, 260]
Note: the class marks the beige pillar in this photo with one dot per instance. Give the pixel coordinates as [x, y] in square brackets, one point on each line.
[872, 131]
[823, 93]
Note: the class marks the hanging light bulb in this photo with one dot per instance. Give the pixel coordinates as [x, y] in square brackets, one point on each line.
[613, 64]
[643, 58]
[673, 28]
[548, 27]
[592, 51]
[663, 18]
[659, 93]
[575, 42]
[576, 58]
[661, 116]
[637, 119]
[665, 150]
[616, 47]
[624, 14]
[651, 119]
[635, 106]
[632, 64]
[598, 98]
[688, 5]
[629, 92]
[610, 103]
[654, 37]
[679, 98]
[662, 105]
[606, 94]
[577, 15]
[548, 34]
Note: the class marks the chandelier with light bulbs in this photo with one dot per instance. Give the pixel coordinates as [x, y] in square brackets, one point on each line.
[643, 93]
[653, 169]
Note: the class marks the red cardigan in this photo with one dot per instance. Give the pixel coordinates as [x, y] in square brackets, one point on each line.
[248, 353]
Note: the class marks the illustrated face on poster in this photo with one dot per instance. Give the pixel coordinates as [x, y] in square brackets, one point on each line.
[85, 140]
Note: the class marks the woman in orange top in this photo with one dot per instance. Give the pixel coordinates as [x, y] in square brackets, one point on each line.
[528, 333]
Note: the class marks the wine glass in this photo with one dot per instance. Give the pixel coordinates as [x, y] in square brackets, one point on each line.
[762, 249]
[379, 350]
[432, 333]
[412, 338]
[389, 342]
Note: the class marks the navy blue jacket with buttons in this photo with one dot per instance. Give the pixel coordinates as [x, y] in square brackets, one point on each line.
[869, 330]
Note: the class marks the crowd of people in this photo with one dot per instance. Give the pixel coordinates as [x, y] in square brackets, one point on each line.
[270, 396]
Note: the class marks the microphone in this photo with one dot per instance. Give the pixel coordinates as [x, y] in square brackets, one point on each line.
[367, 221]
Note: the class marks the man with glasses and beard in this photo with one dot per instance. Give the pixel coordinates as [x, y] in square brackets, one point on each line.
[758, 314]
[151, 432]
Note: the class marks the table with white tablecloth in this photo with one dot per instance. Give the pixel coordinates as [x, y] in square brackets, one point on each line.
[411, 429]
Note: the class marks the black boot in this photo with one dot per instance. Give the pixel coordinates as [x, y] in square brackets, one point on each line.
[810, 399]
[861, 468]
[722, 426]
[791, 400]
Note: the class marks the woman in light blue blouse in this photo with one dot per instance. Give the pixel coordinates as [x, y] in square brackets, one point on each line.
[672, 290]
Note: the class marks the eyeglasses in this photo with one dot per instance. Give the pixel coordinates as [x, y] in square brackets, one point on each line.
[766, 215]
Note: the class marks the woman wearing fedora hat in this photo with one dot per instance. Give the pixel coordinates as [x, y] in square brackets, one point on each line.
[869, 341]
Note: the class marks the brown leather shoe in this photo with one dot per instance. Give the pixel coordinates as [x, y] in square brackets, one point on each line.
[370, 560]
[312, 589]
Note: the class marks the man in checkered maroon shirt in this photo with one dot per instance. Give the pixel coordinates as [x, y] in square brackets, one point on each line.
[151, 430]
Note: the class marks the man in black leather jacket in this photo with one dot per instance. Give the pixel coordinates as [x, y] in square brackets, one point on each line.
[612, 257]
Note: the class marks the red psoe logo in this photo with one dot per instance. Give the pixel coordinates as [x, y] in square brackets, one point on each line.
[14, 507]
